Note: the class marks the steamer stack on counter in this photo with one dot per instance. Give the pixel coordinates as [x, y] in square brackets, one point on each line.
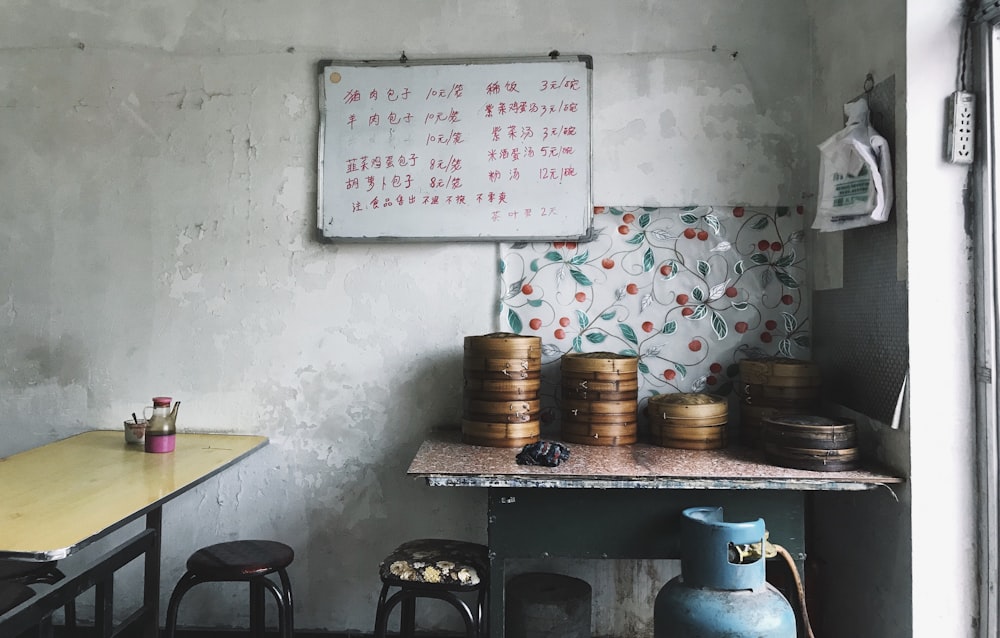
[600, 398]
[503, 374]
[688, 420]
[810, 442]
[599, 401]
[772, 387]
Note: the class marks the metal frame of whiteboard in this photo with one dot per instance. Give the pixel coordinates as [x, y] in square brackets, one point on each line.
[581, 221]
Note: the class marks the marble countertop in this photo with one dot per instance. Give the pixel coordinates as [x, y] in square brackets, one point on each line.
[443, 460]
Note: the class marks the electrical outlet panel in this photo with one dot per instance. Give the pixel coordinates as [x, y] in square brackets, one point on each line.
[961, 127]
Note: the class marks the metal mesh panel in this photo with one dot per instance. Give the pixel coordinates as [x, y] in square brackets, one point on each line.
[861, 331]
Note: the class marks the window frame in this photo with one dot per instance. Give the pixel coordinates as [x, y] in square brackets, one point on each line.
[984, 187]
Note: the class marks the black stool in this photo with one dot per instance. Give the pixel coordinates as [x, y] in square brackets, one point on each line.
[434, 568]
[239, 561]
[15, 578]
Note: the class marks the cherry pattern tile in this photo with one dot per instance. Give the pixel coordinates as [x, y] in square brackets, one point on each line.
[689, 291]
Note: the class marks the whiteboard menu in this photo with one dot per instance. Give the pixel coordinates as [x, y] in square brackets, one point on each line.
[461, 150]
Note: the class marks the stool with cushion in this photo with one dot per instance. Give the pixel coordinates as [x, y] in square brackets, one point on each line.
[249, 561]
[434, 568]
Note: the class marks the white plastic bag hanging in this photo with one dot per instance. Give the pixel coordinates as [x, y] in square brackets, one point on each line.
[855, 175]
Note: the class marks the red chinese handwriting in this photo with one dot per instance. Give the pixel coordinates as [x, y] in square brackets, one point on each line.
[454, 91]
[571, 84]
[481, 143]
[498, 215]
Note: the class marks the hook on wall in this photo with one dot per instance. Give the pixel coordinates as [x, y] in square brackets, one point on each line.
[869, 84]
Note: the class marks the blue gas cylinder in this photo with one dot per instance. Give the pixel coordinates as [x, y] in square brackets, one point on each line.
[719, 594]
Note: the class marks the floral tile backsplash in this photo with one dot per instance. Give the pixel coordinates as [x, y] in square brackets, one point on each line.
[689, 291]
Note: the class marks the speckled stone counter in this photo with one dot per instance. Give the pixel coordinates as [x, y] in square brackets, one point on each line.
[444, 460]
[624, 501]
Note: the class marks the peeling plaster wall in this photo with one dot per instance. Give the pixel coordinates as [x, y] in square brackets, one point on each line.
[157, 166]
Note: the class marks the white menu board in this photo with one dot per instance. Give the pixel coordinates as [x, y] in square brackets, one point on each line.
[457, 150]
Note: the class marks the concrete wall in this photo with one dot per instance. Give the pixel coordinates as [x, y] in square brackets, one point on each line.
[157, 168]
[943, 477]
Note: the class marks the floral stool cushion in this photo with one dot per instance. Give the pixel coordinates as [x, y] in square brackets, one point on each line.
[432, 561]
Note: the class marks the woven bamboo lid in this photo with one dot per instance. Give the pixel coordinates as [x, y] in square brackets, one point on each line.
[603, 362]
[503, 343]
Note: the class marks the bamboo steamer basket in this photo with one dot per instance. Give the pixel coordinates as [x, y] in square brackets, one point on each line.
[599, 401]
[697, 422]
[774, 394]
[493, 434]
[576, 384]
[508, 374]
[688, 420]
[510, 367]
[504, 411]
[781, 372]
[614, 365]
[810, 459]
[811, 432]
[502, 390]
[503, 344]
[810, 442]
[687, 405]
[706, 434]
[711, 443]
[580, 407]
[600, 395]
[501, 407]
[622, 433]
[775, 386]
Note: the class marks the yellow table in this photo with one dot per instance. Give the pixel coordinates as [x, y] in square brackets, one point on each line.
[57, 499]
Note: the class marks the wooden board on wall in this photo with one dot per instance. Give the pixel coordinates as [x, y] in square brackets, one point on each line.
[458, 150]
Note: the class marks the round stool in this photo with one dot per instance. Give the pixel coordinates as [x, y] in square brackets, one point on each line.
[241, 561]
[434, 568]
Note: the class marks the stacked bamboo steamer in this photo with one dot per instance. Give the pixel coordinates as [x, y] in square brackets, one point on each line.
[600, 398]
[775, 386]
[500, 405]
[810, 442]
[688, 420]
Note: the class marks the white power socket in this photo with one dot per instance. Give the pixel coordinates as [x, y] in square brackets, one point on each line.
[961, 127]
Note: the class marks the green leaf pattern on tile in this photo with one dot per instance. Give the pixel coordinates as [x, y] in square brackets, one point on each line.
[731, 274]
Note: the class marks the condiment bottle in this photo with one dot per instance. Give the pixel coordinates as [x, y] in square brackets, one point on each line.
[161, 429]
